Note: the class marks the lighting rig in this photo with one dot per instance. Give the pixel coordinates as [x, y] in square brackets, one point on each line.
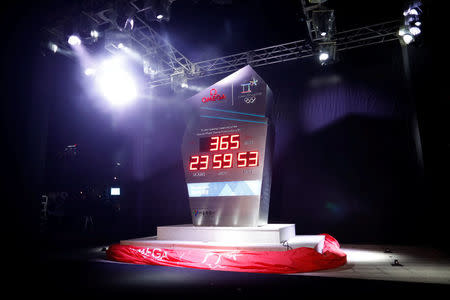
[163, 64]
[410, 30]
[320, 22]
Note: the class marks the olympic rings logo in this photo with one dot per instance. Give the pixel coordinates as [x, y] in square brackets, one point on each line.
[249, 100]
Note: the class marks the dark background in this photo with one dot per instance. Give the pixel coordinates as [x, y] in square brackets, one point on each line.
[346, 160]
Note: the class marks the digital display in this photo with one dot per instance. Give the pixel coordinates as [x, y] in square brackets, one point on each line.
[216, 143]
[115, 191]
[222, 160]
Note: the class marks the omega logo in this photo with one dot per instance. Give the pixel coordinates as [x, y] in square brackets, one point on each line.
[213, 96]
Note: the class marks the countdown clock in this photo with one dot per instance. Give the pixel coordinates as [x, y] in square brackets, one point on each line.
[227, 150]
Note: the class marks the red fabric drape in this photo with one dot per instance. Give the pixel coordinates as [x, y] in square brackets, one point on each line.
[290, 261]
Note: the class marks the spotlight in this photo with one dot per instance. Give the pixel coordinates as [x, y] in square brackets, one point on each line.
[402, 31]
[327, 52]
[94, 34]
[74, 40]
[160, 10]
[53, 47]
[323, 56]
[115, 83]
[412, 12]
[414, 30]
[407, 38]
[396, 263]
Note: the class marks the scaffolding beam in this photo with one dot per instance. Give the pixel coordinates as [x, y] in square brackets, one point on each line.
[345, 40]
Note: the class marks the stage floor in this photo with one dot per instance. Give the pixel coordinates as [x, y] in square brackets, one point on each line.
[369, 269]
[377, 262]
[373, 262]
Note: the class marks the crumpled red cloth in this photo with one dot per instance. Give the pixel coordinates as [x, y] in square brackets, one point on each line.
[298, 260]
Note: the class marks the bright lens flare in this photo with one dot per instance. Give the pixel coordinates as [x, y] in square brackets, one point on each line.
[116, 84]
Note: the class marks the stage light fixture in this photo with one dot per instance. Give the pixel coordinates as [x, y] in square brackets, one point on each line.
[323, 56]
[410, 31]
[53, 47]
[178, 81]
[326, 52]
[407, 38]
[411, 12]
[124, 16]
[74, 40]
[323, 22]
[95, 34]
[414, 30]
[129, 24]
[159, 10]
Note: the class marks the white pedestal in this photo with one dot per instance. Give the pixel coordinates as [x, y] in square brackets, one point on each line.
[270, 233]
[271, 237]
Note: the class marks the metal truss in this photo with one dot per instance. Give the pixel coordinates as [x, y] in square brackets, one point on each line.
[147, 40]
[172, 64]
[367, 35]
[345, 40]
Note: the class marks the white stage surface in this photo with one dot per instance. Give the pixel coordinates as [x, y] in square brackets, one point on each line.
[377, 262]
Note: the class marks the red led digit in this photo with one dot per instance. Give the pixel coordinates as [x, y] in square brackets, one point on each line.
[217, 161]
[253, 158]
[214, 143]
[242, 159]
[224, 144]
[234, 141]
[194, 162]
[204, 162]
[227, 160]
